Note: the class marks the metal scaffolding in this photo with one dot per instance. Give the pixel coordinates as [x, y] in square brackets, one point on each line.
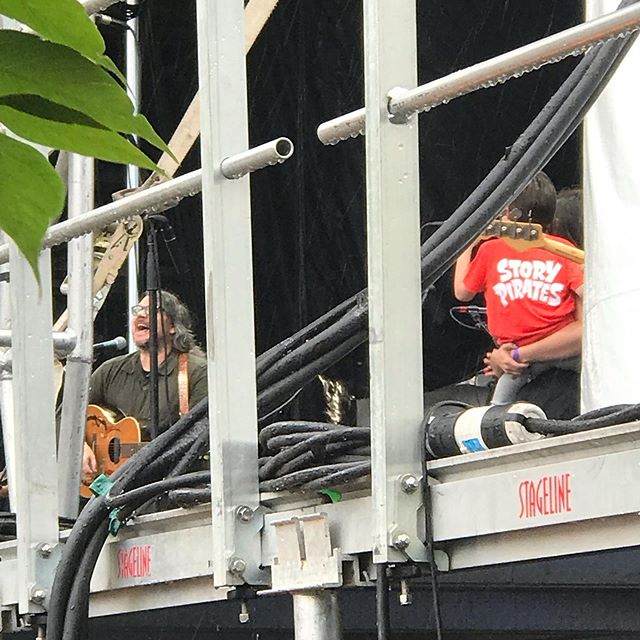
[486, 506]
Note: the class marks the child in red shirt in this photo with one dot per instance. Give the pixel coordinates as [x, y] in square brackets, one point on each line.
[532, 298]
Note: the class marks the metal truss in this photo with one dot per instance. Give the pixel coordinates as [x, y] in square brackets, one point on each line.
[487, 507]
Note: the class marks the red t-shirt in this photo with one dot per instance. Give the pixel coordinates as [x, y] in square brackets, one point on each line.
[529, 294]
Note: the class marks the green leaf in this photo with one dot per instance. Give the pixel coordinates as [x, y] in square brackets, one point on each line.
[31, 66]
[31, 195]
[333, 494]
[64, 22]
[107, 63]
[55, 126]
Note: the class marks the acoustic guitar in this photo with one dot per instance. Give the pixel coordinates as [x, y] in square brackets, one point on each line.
[524, 235]
[112, 442]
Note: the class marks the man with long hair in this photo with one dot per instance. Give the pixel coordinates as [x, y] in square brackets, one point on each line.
[122, 384]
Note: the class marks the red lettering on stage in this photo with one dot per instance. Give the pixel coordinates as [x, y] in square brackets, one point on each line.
[134, 562]
[545, 496]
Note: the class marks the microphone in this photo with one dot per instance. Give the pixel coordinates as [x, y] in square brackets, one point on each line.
[103, 18]
[118, 344]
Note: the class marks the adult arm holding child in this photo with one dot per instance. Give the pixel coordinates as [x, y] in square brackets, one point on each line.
[564, 343]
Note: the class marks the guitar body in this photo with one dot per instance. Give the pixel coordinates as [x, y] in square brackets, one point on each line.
[112, 443]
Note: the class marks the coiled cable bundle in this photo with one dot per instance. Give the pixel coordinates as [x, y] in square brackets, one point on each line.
[309, 456]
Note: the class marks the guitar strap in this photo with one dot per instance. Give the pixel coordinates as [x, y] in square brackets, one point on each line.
[183, 382]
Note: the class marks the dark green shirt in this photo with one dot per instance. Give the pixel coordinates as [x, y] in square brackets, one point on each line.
[122, 385]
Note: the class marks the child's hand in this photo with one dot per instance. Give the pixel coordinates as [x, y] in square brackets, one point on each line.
[500, 361]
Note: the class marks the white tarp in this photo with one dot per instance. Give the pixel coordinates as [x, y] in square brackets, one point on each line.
[611, 344]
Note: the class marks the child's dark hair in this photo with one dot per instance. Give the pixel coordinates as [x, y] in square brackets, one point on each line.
[567, 221]
[536, 203]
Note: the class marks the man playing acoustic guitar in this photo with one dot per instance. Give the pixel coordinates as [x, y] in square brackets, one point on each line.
[533, 297]
[122, 383]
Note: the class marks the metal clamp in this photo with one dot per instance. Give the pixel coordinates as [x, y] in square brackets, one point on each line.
[305, 557]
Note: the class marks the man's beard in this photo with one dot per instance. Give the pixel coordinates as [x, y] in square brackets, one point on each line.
[143, 345]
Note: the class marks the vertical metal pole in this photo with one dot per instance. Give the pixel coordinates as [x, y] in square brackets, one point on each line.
[35, 491]
[383, 622]
[316, 615]
[393, 239]
[132, 73]
[229, 292]
[79, 361]
[6, 382]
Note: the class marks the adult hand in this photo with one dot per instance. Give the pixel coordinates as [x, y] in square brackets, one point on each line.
[89, 465]
[500, 361]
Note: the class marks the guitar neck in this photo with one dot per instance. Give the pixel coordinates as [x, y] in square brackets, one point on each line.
[525, 235]
[127, 449]
[564, 250]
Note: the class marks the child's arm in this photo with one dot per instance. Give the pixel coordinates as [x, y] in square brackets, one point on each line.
[462, 267]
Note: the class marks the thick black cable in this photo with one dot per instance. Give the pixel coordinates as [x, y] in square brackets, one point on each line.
[164, 461]
[123, 475]
[602, 411]
[272, 397]
[76, 610]
[316, 440]
[75, 621]
[77, 614]
[315, 347]
[156, 488]
[188, 497]
[332, 453]
[275, 353]
[562, 427]
[91, 518]
[196, 451]
[335, 476]
[324, 477]
[312, 480]
[276, 429]
[276, 443]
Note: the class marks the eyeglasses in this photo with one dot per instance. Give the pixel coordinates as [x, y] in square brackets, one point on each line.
[137, 309]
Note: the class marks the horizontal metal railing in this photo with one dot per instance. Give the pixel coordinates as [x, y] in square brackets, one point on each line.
[405, 102]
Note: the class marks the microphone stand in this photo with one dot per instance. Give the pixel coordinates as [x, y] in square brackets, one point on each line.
[157, 222]
[153, 287]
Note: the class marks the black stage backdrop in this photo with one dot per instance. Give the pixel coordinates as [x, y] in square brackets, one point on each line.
[308, 214]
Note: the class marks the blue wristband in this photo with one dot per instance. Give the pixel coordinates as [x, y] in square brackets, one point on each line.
[515, 354]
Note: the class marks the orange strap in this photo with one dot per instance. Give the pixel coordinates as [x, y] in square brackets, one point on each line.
[183, 382]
